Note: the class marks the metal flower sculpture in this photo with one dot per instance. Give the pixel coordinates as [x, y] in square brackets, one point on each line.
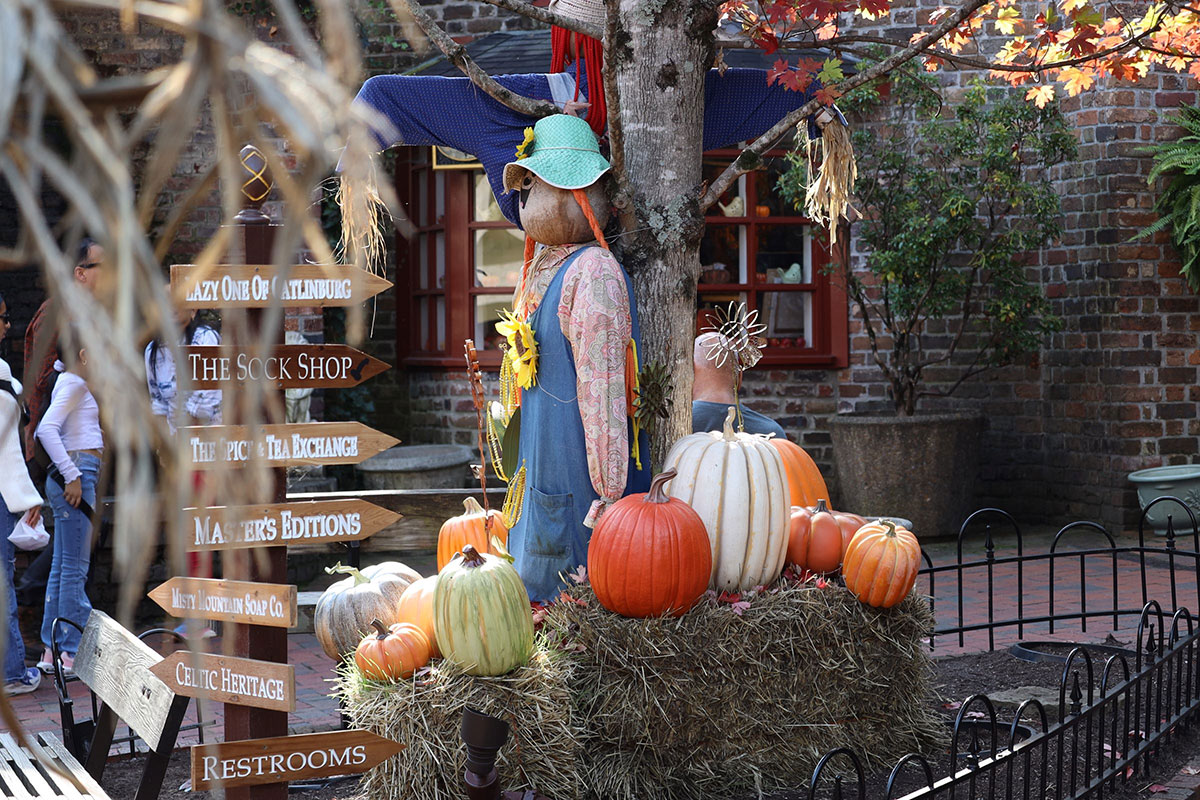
[739, 339]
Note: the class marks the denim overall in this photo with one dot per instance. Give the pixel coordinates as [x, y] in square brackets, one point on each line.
[550, 537]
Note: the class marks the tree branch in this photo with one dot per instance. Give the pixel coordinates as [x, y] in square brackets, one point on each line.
[754, 152]
[457, 55]
[547, 16]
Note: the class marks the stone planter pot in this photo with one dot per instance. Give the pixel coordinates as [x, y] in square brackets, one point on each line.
[923, 468]
[1182, 481]
[418, 466]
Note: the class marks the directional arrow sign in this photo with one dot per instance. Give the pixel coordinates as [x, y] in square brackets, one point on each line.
[213, 446]
[250, 286]
[319, 521]
[272, 604]
[241, 681]
[291, 366]
[288, 758]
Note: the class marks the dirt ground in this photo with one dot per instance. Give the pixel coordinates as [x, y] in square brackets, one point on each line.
[956, 679]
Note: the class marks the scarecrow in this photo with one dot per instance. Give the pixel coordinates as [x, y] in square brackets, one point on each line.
[739, 105]
[572, 342]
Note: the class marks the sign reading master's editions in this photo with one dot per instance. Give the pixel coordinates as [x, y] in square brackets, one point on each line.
[213, 446]
[318, 521]
[271, 604]
[290, 366]
[241, 681]
[288, 758]
[250, 286]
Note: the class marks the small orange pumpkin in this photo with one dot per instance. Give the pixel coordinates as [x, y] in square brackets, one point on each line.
[814, 539]
[849, 523]
[469, 528]
[392, 655]
[416, 607]
[805, 481]
[881, 563]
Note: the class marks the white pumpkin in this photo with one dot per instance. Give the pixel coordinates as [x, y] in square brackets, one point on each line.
[737, 484]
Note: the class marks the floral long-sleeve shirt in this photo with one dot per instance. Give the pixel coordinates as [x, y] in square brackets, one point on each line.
[595, 318]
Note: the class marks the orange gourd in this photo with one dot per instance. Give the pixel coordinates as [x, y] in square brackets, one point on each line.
[469, 528]
[650, 554]
[881, 563]
[814, 539]
[805, 482]
[849, 523]
[416, 608]
[392, 654]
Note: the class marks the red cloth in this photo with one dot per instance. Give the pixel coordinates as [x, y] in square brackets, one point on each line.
[38, 376]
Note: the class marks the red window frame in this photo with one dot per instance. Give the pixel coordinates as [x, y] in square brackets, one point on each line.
[458, 291]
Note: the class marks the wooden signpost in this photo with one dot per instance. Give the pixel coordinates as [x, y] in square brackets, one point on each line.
[315, 522]
[288, 758]
[291, 366]
[241, 681]
[259, 286]
[217, 446]
[271, 604]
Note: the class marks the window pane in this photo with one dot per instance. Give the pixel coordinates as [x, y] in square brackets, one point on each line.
[487, 314]
[788, 317]
[707, 303]
[423, 316]
[784, 253]
[486, 208]
[733, 202]
[440, 261]
[498, 256]
[439, 196]
[722, 254]
[423, 263]
[421, 201]
[769, 202]
[441, 324]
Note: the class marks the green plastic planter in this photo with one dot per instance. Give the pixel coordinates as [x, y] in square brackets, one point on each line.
[1182, 481]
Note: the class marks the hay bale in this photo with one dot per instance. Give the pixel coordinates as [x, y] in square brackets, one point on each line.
[710, 704]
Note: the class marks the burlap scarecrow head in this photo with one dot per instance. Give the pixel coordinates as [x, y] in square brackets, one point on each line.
[559, 173]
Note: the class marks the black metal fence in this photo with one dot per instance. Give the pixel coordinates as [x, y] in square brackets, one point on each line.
[1051, 587]
[1112, 722]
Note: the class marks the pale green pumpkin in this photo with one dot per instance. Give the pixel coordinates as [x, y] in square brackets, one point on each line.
[481, 614]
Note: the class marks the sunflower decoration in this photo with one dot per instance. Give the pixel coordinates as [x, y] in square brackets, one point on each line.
[739, 339]
[522, 348]
[526, 143]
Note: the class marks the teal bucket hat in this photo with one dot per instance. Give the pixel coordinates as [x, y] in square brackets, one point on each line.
[562, 151]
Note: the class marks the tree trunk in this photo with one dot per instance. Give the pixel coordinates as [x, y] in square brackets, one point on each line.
[663, 52]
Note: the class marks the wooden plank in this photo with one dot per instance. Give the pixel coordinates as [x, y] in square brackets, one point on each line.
[270, 604]
[15, 787]
[290, 366]
[225, 679]
[70, 776]
[422, 513]
[314, 522]
[259, 286]
[61, 755]
[311, 443]
[29, 771]
[288, 758]
[115, 665]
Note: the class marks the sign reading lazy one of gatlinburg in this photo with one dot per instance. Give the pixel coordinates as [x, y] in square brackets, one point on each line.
[241, 681]
[288, 758]
[234, 527]
[250, 286]
[213, 446]
[272, 604]
[290, 366]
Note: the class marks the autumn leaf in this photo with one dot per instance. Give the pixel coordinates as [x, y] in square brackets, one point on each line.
[1007, 20]
[831, 72]
[874, 9]
[1075, 80]
[1157, 788]
[740, 607]
[1069, 6]
[1041, 95]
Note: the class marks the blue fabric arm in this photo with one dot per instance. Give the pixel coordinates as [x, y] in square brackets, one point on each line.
[739, 106]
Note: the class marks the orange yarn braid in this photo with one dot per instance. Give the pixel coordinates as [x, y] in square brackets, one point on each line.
[582, 198]
[590, 54]
[526, 261]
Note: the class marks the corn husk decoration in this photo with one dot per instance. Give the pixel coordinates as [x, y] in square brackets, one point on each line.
[827, 198]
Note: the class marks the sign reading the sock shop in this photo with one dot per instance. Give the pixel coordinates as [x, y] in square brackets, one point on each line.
[290, 366]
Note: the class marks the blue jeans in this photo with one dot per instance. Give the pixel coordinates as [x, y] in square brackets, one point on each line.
[14, 647]
[65, 595]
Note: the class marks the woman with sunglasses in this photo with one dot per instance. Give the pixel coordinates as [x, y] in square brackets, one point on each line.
[18, 496]
[70, 433]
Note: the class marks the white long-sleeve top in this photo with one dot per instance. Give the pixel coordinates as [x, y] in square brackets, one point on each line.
[202, 404]
[72, 422]
[16, 488]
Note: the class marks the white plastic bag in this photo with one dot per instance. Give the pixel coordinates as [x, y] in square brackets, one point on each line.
[29, 537]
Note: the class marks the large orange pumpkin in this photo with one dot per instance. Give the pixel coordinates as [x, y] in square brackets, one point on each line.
[814, 539]
[392, 654]
[650, 554]
[881, 563]
[416, 607]
[804, 479]
[469, 528]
